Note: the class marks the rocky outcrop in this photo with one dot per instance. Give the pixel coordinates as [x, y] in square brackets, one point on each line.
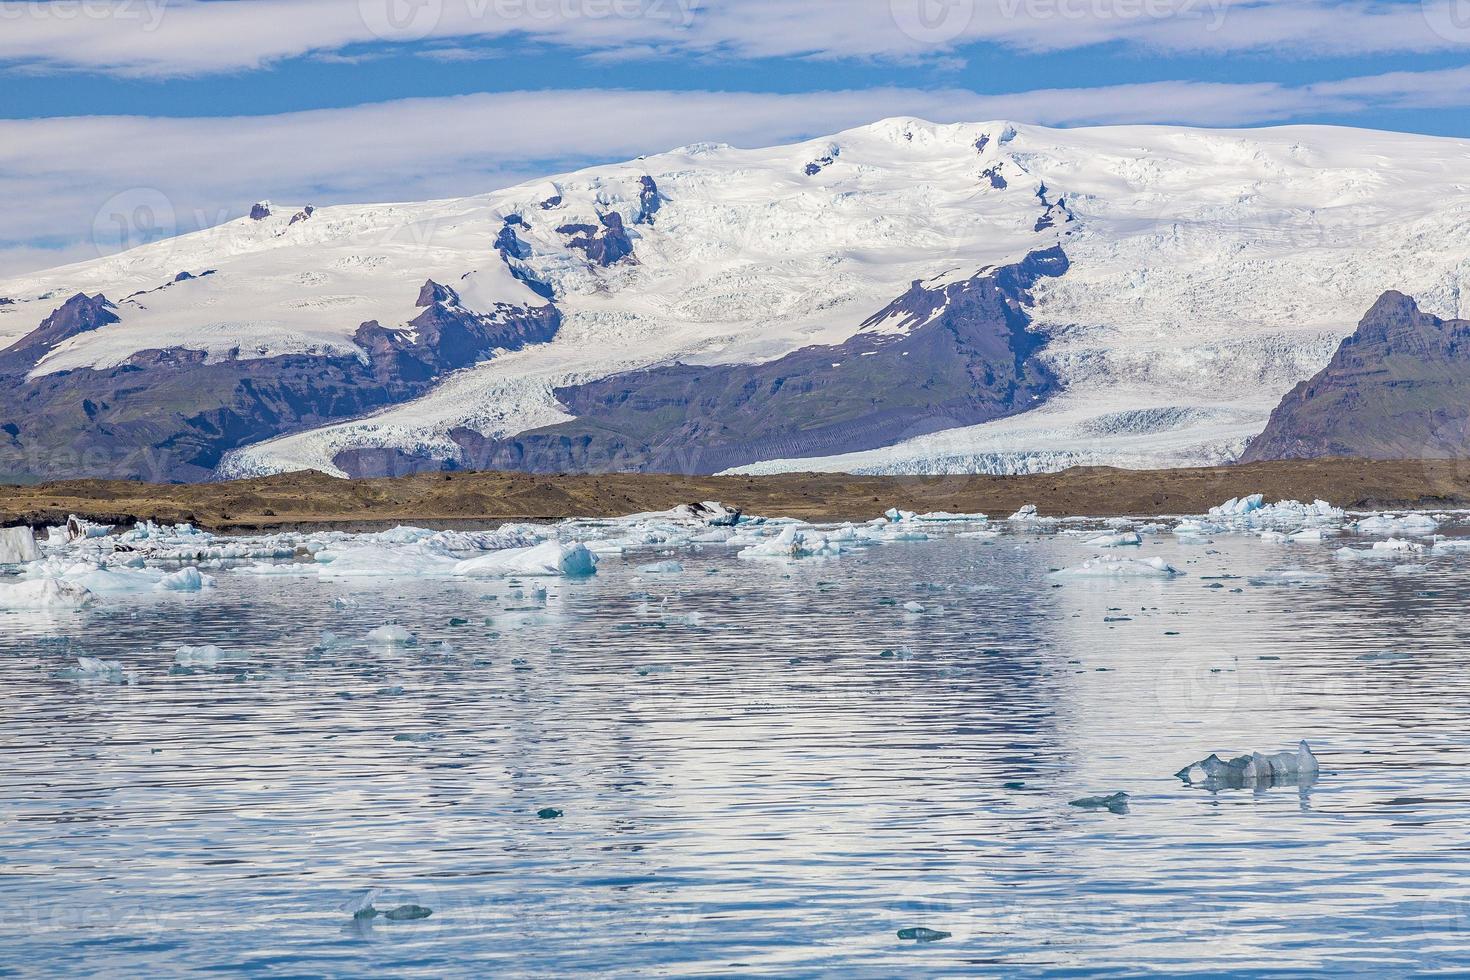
[602, 247]
[80, 314]
[954, 355]
[1398, 388]
[171, 415]
[260, 211]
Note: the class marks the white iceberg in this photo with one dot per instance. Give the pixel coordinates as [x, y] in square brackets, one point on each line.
[1026, 513]
[1123, 539]
[550, 558]
[18, 546]
[661, 568]
[1394, 524]
[93, 669]
[391, 634]
[794, 542]
[45, 593]
[205, 656]
[185, 580]
[1109, 567]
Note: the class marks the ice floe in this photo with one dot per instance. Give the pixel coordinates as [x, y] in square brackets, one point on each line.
[550, 558]
[1111, 567]
[185, 580]
[1290, 768]
[1421, 524]
[93, 669]
[1122, 539]
[45, 593]
[17, 546]
[391, 634]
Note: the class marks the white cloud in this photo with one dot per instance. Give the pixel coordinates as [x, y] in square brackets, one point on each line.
[80, 181]
[181, 37]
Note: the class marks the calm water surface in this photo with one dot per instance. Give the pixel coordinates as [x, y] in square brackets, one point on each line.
[755, 790]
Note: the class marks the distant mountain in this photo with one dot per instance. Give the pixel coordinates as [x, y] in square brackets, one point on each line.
[901, 298]
[1398, 388]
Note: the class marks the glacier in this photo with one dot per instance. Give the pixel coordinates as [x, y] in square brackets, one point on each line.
[1209, 271]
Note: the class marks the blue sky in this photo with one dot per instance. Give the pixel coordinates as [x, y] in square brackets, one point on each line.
[208, 105]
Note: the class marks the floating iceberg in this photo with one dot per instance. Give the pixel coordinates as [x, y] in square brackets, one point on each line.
[1110, 567]
[1289, 576]
[391, 635]
[185, 580]
[551, 558]
[206, 657]
[45, 593]
[661, 568]
[1394, 524]
[1026, 513]
[1123, 539]
[93, 669]
[795, 542]
[1114, 803]
[1288, 768]
[17, 546]
[1250, 512]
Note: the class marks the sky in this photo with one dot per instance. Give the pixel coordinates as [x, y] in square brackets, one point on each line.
[126, 120]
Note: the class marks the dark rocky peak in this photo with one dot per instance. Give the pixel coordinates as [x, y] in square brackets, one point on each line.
[1398, 388]
[181, 277]
[554, 201]
[829, 157]
[993, 174]
[982, 143]
[260, 211]
[78, 315]
[509, 243]
[1011, 284]
[431, 292]
[604, 247]
[303, 214]
[6, 301]
[649, 201]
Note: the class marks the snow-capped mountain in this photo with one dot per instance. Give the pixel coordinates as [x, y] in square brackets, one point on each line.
[905, 297]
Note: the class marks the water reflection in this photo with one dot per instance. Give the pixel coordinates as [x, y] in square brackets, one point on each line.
[755, 788]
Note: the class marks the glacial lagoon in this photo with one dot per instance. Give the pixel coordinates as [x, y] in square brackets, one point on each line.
[798, 752]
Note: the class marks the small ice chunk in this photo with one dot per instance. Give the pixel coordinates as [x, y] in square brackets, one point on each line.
[206, 656]
[1113, 803]
[1290, 768]
[1123, 539]
[361, 906]
[1289, 576]
[18, 546]
[391, 634]
[1026, 513]
[661, 568]
[920, 934]
[1120, 568]
[185, 580]
[913, 607]
[93, 669]
[407, 913]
